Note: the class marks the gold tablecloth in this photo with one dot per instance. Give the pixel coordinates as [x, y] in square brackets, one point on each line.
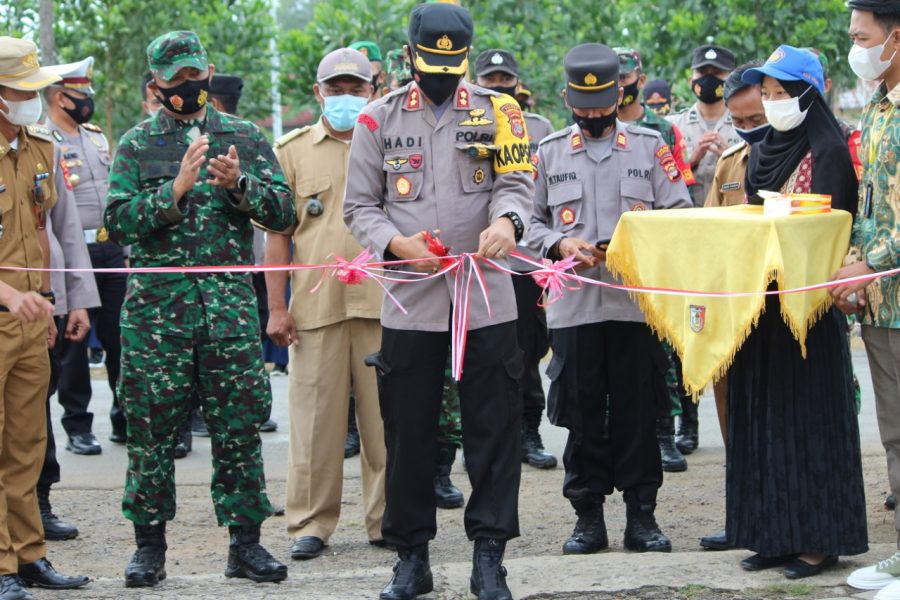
[730, 249]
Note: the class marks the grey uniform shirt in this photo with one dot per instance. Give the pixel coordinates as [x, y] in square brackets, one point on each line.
[538, 128]
[577, 195]
[68, 250]
[409, 172]
[693, 127]
[86, 156]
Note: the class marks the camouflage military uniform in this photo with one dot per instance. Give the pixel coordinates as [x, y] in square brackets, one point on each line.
[450, 424]
[182, 332]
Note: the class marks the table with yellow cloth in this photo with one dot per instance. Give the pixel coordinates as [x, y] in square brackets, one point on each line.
[731, 249]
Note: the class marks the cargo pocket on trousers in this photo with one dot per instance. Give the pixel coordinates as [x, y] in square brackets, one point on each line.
[556, 412]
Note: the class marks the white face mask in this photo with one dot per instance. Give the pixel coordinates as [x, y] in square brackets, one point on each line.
[785, 115]
[867, 63]
[23, 113]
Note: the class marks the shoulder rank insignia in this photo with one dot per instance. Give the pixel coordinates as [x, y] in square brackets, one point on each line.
[577, 142]
[396, 163]
[462, 98]
[476, 118]
[92, 127]
[621, 141]
[57, 136]
[412, 99]
[283, 139]
[40, 132]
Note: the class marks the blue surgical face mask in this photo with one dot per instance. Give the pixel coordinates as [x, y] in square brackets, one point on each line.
[752, 136]
[343, 111]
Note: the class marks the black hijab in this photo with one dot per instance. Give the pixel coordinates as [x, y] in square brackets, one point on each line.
[774, 159]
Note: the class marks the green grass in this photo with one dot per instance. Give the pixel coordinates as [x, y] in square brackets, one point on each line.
[691, 590]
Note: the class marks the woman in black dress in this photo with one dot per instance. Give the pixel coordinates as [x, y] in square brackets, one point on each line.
[794, 482]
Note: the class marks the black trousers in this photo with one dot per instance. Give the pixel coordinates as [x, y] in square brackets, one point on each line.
[75, 378]
[411, 377]
[531, 329]
[50, 468]
[608, 388]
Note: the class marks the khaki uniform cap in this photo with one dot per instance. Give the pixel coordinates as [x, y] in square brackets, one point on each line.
[20, 68]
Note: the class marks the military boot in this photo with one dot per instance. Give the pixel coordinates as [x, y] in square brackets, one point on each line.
[446, 494]
[54, 528]
[672, 460]
[533, 451]
[248, 559]
[688, 438]
[351, 443]
[148, 565]
[412, 575]
[642, 534]
[488, 580]
[589, 535]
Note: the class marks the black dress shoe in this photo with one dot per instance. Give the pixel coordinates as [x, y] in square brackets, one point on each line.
[715, 541]
[118, 437]
[13, 588]
[269, 426]
[307, 547]
[41, 573]
[890, 502]
[758, 562]
[83, 443]
[382, 544]
[798, 569]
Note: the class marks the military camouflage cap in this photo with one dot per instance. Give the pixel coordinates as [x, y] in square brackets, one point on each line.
[369, 49]
[176, 50]
[398, 66]
[629, 60]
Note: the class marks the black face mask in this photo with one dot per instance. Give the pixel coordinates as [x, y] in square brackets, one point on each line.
[596, 126]
[83, 109]
[509, 91]
[187, 97]
[438, 87]
[709, 89]
[629, 94]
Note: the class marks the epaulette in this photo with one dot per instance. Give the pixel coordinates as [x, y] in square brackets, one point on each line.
[641, 130]
[92, 127]
[40, 132]
[564, 132]
[734, 149]
[291, 135]
[483, 91]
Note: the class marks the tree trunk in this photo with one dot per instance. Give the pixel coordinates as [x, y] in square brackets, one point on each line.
[48, 42]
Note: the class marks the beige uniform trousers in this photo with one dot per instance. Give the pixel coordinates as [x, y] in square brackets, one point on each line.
[325, 363]
[883, 350]
[24, 377]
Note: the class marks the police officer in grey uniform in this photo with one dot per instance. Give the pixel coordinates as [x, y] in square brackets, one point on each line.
[498, 70]
[442, 154]
[608, 368]
[86, 157]
[75, 293]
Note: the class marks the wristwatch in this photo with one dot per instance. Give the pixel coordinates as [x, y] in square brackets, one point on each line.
[51, 296]
[517, 223]
[240, 186]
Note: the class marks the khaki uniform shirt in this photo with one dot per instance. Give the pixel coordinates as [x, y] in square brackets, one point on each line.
[19, 245]
[727, 188]
[410, 172]
[315, 166]
[67, 250]
[693, 127]
[86, 157]
[579, 196]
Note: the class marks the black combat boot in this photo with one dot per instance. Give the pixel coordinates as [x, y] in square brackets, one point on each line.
[446, 494]
[688, 438]
[54, 529]
[672, 460]
[488, 580]
[533, 451]
[412, 575]
[185, 441]
[589, 535]
[642, 534]
[148, 565]
[246, 558]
